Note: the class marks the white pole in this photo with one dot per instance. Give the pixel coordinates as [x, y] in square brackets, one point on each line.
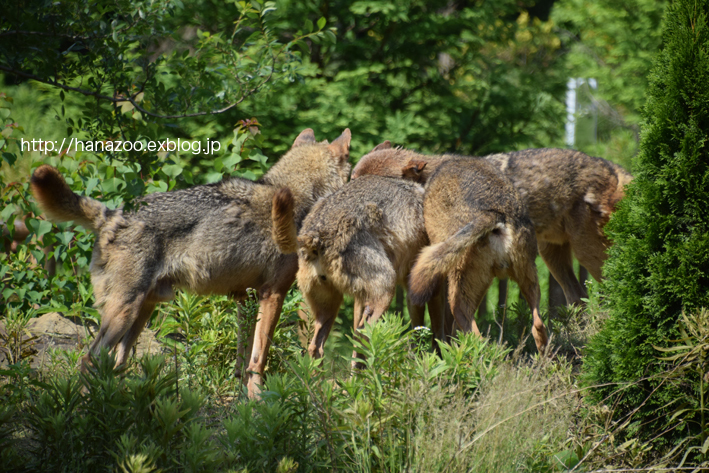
[571, 113]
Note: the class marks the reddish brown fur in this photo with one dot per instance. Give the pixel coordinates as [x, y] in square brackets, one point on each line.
[413, 170]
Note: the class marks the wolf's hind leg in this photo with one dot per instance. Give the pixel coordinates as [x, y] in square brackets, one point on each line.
[358, 311]
[417, 313]
[117, 317]
[525, 275]
[436, 312]
[244, 339]
[466, 290]
[448, 319]
[129, 339]
[162, 292]
[270, 305]
[558, 260]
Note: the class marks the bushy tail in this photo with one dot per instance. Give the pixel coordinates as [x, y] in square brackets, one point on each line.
[283, 229]
[437, 260]
[60, 204]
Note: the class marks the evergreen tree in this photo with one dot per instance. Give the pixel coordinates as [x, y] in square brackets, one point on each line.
[659, 264]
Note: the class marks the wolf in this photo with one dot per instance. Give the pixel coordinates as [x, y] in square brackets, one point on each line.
[570, 197]
[479, 229]
[360, 240]
[208, 239]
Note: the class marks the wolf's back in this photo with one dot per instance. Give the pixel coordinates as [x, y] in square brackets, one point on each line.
[60, 204]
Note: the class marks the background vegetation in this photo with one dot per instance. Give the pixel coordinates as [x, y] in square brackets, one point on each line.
[465, 77]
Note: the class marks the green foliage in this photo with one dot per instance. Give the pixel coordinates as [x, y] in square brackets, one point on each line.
[109, 416]
[465, 77]
[659, 264]
[16, 342]
[690, 361]
[613, 42]
[205, 335]
[141, 64]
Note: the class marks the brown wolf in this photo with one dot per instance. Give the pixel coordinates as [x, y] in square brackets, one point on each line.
[209, 239]
[360, 240]
[570, 197]
[479, 229]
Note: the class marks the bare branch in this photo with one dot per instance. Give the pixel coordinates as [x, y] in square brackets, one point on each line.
[41, 33]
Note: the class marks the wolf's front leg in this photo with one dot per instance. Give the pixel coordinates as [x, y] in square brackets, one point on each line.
[270, 305]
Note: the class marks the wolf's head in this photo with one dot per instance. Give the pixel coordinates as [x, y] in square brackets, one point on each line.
[383, 160]
[311, 169]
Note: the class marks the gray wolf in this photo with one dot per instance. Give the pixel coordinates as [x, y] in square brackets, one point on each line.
[479, 229]
[570, 197]
[360, 240]
[208, 239]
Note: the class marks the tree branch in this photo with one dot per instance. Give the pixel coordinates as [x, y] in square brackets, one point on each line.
[131, 99]
[41, 33]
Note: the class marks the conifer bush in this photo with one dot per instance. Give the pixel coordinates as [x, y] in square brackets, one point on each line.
[659, 264]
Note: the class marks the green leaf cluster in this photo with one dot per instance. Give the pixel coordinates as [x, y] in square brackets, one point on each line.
[613, 43]
[106, 418]
[145, 70]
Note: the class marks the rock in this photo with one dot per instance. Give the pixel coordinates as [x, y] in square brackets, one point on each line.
[53, 330]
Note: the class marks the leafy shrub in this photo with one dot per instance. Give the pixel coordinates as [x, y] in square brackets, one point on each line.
[659, 264]
[689, 358]
[109, 415]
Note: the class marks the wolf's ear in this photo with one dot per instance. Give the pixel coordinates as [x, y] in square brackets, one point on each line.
[306, 137]
[414, 170]
[340, 148]
[380, 146]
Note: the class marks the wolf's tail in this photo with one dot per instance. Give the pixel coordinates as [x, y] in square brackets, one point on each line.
[436, 260]
[60, 204]
[283, 230]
